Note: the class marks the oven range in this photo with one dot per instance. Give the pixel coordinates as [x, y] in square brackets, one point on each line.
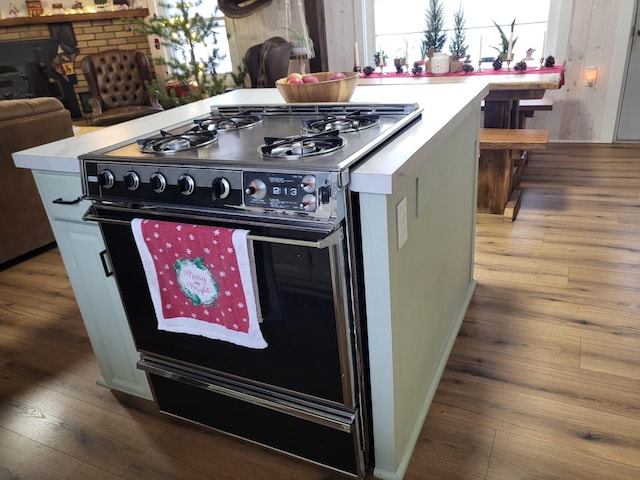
[234, 243]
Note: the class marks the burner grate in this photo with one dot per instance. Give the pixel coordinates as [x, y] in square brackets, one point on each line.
[168, 143]
[353, 122]
[228, 122]
[300, 146]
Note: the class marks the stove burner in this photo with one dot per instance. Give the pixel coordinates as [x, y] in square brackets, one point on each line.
[222, 122]
[352, 122]
[300, 146]
[168, 143]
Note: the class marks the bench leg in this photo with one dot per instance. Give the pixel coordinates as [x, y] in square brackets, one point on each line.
[494, 180]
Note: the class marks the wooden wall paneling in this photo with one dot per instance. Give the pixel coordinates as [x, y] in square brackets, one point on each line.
[601, 55]
[340, 35]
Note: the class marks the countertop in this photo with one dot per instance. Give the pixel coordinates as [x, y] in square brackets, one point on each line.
[444, 106]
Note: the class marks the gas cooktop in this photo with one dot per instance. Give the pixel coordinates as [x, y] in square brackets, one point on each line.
[330, 136]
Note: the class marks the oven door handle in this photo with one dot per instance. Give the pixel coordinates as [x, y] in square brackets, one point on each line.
[324, 242]
[342, 421]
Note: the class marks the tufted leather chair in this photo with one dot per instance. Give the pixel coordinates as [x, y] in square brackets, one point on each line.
[268, 61]
[116, 84]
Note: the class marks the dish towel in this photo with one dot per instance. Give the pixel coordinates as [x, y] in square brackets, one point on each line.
[201, 280]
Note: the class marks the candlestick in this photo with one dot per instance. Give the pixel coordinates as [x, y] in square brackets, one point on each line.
[544, 45]
[406, 54]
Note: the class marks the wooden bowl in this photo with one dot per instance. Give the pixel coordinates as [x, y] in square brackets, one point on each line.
[324, 90]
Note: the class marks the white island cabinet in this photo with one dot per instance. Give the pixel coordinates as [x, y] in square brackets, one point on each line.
[83, 253]
[417, 198]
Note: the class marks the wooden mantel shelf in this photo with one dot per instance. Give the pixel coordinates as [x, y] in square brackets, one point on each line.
[73, 17]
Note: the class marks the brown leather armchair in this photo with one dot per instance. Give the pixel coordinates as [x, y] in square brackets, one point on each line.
[268, 61]
[116, 81]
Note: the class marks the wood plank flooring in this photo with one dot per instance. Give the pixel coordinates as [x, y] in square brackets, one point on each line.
[543, 381]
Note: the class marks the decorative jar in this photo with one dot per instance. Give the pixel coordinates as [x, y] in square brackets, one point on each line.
[439, 63]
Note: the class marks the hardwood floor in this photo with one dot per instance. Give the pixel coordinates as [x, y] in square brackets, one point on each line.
[543, 381]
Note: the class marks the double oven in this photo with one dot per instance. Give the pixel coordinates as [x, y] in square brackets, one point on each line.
[280, 174]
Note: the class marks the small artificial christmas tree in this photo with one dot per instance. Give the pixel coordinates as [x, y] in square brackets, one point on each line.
[434, 35]
[185, 34]
[458, 47]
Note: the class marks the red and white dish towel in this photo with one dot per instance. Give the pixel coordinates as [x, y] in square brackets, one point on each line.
[201, 280]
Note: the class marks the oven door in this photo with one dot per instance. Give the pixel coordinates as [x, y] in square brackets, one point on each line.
[303, 289]
[298, 395]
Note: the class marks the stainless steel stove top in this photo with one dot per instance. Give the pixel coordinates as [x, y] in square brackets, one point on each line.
[272, 165]
[241, 147]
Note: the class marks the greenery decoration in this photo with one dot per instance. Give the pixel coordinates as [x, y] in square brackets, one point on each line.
[458, 47]
[183, 32]
[380, 59]
[299, 41]
[434, 34]
[238, 78]
[503, 49]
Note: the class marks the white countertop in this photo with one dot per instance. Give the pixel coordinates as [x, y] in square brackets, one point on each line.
[444, 106]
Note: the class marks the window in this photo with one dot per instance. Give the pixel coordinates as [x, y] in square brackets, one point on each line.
[210, 10]
[399, 31]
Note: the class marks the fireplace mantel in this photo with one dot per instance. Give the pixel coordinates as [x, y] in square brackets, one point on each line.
[73, 17]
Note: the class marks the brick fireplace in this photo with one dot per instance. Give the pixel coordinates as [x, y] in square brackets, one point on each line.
[27, 48]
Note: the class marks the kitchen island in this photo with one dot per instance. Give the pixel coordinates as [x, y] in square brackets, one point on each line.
[417, 211]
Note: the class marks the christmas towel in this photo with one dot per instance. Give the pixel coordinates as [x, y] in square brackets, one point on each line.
[201, 280]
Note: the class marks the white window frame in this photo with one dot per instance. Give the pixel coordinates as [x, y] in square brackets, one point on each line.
[558, 27]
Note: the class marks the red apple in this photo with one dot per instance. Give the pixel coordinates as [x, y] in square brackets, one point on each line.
[295, 81]
[294, 78]
[337, 76]
[310, 79]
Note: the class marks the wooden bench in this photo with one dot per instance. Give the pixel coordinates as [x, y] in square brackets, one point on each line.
[526, 108]
[497, 170]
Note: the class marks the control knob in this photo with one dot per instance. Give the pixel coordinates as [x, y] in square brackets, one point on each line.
[221, 188]
[158, 182]
[257, 189]
[308, 203]
[186, 184]
[131, 180]
[106, 179]
[308, 183]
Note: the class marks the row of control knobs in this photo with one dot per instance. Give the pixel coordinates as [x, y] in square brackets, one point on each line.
[158, 183]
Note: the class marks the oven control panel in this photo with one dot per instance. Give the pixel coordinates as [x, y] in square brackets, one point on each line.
[284, 191]
[310, 194]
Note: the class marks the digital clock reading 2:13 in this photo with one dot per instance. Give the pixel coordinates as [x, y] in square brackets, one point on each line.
[283, 191]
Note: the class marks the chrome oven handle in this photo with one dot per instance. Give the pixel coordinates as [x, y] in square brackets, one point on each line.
[325, 242]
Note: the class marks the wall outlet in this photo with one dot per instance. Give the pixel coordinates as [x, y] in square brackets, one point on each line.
[402, 219]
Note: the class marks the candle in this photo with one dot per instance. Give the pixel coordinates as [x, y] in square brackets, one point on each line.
[406, 52]
[480, 51]
[355, 55]
[509, 53]
[544, 43]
